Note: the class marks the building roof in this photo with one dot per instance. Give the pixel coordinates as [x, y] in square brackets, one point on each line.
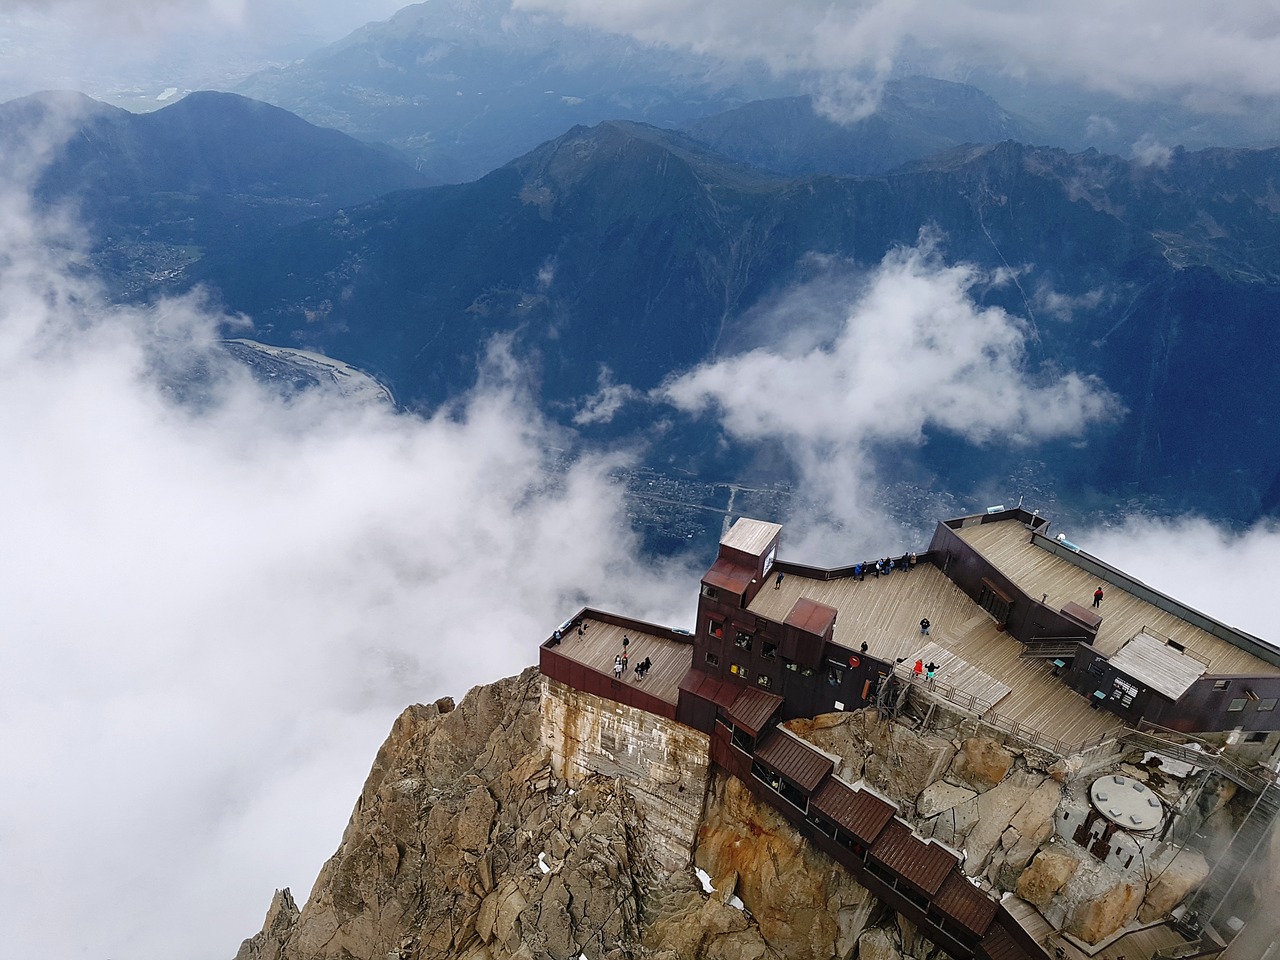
[923, 865]
[727, 575]
[704, 685]
[999, 944]
[750, 536]
[1163, 668]
[964, 903]
[753, 708]
[857, 812]
[885, 614]
[1129, 607]
[811, 616]
[794, 759]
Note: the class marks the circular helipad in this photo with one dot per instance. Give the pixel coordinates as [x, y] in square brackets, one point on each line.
[1127, 803]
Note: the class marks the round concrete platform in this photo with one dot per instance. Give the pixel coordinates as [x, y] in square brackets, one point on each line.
[1127, 803]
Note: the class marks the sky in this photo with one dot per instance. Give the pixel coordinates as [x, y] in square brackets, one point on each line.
[210, 616]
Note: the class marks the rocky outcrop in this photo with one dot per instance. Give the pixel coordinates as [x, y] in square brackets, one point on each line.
[534, 821]
[269, 942]
[981, 763]
[1172, 884]
[1101, 916]
[1047, 874]
[807, 905]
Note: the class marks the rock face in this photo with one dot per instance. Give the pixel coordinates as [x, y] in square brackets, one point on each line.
[535, 821]
[269, 942]
[460, 845]
[981, 763]
[1047, 874]
[807, 905]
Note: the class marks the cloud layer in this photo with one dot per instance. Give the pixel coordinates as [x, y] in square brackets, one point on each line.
[211, 610]
[1208, 55]
[909, 351]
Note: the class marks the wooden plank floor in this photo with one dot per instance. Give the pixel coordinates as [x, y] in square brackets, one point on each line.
[1137, 945]
[603, 642]
[959, 672]
[1037, 571]
[886, 613]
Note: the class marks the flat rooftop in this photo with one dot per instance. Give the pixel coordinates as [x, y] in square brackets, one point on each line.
[886, 612]
[602, 642]
[1036, 571]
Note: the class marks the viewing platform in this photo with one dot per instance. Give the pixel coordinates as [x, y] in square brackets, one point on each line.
[585, 661]
[885, 613]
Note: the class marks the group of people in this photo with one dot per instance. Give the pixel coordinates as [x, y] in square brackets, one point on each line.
[621, 660]
[929, 669]
[884, 566]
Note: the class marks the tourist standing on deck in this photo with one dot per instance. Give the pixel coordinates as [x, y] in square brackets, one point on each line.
[924, 625]
[1097, 596]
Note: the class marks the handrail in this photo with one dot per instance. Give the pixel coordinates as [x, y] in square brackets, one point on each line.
[989, 717]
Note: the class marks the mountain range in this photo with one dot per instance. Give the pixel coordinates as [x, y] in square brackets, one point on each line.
[640, 251]
[211, 171]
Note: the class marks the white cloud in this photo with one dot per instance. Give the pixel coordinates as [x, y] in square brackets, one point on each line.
[911, 352]
[211, 613]
[610, 397]
[1150, 152]
[129, 51]
[1227, 574]
[1210, 55]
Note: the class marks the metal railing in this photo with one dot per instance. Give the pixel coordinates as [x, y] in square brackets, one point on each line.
[984, 714]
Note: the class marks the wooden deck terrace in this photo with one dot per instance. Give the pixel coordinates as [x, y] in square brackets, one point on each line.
[886, 613]
[602, 641]
[1036, 571]
[1136, 944]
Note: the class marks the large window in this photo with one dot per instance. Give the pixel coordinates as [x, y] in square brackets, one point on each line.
[769, 650]
[716, 628]
[742, 640]
[713, 659]
[1235, 706]
[764, 680]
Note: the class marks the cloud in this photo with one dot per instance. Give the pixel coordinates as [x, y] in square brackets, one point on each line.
[1221, 572]
[911, 352]
[1209, 56]
[211, 610]
[1150, 152]
[128, 51]
[610, 397]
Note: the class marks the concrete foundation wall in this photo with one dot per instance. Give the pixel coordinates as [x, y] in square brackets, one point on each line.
[664, 764]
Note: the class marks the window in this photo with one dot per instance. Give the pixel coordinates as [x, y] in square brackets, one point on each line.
[791, 665]
[769, 650]
[1258, 736]
[835, 677]
[806, 672]
[713, 659]
[716, 628]
[1266, 704]
[742, 641]
[710, 592]
[1235, 706]
[739, 671]
[1221, 684]
[1095, 668]
[764, 680]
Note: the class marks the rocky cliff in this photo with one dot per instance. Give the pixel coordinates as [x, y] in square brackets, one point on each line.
[530, 821]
